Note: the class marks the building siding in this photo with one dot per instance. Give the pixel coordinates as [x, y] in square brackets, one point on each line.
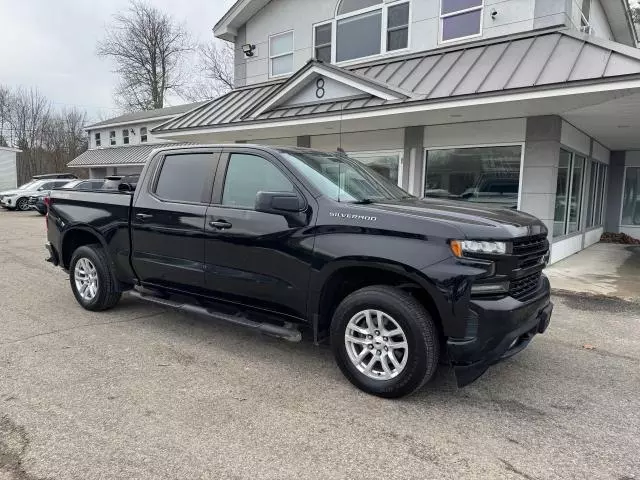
[278, 16]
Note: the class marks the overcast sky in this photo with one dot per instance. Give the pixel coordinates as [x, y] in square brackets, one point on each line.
[51, 45]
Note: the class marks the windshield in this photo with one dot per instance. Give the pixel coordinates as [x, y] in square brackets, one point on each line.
[28, 184]
[342, 178]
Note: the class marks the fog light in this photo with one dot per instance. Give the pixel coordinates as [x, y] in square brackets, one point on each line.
[489, 288]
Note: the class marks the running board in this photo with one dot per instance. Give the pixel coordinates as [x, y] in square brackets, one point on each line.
[287, 332]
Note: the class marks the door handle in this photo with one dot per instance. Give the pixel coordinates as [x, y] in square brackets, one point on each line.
[220, 224]
[143, 216]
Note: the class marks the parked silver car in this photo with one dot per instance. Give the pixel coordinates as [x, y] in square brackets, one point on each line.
[18, 199]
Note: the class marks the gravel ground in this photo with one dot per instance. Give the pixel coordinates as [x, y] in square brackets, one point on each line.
[141, 392]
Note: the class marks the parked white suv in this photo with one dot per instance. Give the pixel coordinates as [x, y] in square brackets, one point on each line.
[19, 198]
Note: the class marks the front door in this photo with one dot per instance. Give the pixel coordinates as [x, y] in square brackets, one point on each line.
[167, 222]
[255, 258]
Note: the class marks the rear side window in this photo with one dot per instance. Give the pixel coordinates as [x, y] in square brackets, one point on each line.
[184, 178]
[249, 174]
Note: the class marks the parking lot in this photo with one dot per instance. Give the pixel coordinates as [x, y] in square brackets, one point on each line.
[142, 392]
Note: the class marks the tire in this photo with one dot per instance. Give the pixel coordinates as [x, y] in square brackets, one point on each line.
[22, 204]
[94, 265]
[42, 212]
[399, 309]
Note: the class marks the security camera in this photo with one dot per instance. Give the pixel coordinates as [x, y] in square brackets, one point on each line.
[494, 13]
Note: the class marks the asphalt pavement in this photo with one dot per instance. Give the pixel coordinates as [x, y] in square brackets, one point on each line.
[140, 392]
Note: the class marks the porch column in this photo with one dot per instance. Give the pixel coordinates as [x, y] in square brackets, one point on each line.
[413, 161]
[614, 192]
[540, 168]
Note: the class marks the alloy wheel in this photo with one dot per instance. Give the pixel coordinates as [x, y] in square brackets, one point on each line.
[86, 277]
[376, 344]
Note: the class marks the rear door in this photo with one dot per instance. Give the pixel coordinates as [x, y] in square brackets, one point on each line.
[167, 219]
[255, 258]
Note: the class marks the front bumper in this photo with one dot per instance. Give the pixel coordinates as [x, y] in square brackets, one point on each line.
[498, 329]
[9, 202]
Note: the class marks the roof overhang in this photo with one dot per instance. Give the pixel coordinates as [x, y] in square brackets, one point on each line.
[547, 101]
[238, 15]
[619, 17]
[10, 149]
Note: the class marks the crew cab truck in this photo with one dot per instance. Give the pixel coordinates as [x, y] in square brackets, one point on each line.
[291, 240]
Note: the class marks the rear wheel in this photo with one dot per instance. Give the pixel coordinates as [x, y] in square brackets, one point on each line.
[384, 341]
[92, 280]
[22, 204]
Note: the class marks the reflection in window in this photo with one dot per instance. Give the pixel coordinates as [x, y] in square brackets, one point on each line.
[487, 175]
[460, 19]
[249, 174]
[184, 177]
[323, 42]
[631, 197]
[568, 205]
[385, 164]
[597, 182]
[281, 54]
[359, 36]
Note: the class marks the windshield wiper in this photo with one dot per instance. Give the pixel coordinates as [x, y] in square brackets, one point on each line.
[364, 201]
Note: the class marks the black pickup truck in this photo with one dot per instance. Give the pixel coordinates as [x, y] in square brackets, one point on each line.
[291, 240]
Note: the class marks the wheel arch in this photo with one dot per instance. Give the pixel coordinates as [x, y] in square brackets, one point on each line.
[76, 237]
[342, 277]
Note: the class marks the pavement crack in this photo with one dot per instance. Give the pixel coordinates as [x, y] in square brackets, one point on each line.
[513, 469]
[77, 327]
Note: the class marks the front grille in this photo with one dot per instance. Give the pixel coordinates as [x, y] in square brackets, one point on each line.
[530, 250]
[524, 286]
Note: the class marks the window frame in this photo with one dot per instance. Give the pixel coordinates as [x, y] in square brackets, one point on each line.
[378, 153]
[97, 139]
[125, 137]
[582, 220]
[159, 162]
[113, 141]
[223, 168]
[459, 12]
[145, 135]
[280, 55]
[591, 221]
[624, 183]
[384, 6]
[426, 150]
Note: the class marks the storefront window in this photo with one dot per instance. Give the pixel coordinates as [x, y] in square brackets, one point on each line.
[487, 175]
[597, 183]
[386, 164]
[568, 207]
[631, 197]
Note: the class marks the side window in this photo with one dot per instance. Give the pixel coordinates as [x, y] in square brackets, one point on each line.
[46, 186]
[249, 174]
[184, 177]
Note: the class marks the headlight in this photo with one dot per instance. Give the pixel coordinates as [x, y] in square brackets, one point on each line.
[460, 247]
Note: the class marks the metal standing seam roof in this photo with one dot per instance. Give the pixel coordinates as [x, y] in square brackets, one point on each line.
[536, 60]
[130, 155]
[148, 114]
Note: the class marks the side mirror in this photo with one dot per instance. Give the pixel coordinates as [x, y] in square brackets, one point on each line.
[126, 187]
[281, 203]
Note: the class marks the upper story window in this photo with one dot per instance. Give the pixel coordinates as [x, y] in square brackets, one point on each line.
[143, 134]
[281, 54]
[125, 136]
[460, 19]
[97, 137]
[112, 137]
[362, 28]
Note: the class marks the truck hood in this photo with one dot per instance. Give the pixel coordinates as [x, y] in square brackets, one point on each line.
[474, 220]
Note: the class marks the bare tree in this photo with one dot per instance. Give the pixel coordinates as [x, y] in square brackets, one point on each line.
[5, 116]
[216, 61]
[148, 48]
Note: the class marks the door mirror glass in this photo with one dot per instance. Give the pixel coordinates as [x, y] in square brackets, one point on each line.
[278, 202]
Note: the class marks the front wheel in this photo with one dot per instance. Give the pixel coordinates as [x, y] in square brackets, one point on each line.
[92, 280]
[22, 204]
[384, 341]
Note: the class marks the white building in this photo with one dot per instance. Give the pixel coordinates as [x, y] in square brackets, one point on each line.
[8, 168]
[526, 103]
[120, 145]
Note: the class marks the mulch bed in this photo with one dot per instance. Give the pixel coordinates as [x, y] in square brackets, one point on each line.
[621, 238]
